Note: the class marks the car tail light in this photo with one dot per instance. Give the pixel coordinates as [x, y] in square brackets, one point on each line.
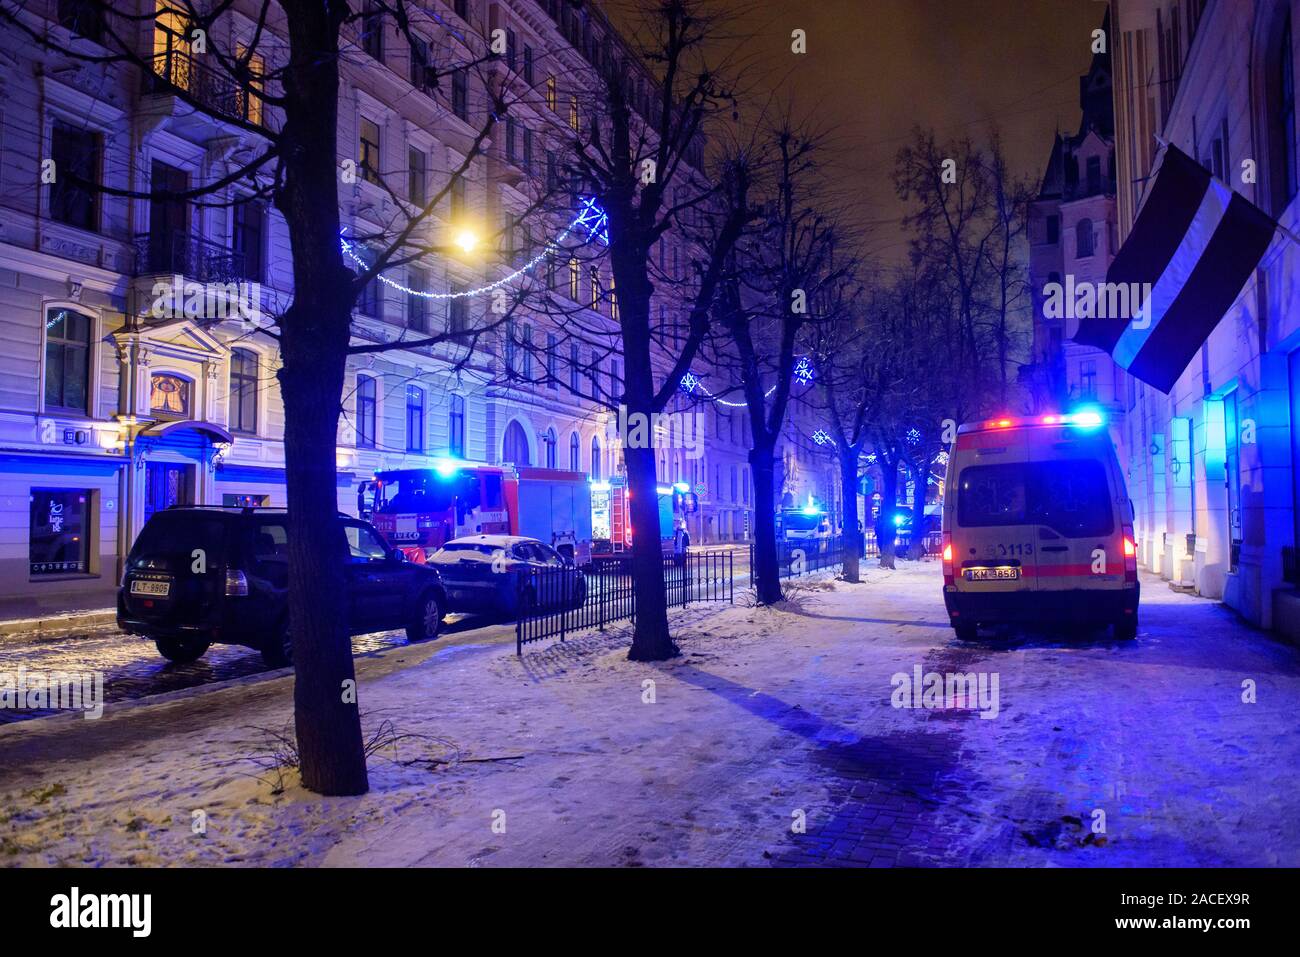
[1130, 556]
[236, 582]
[947, 558]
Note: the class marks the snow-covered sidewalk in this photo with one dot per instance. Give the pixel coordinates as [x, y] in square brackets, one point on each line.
[772, 740]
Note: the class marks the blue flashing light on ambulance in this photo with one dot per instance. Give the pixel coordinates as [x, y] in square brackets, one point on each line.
[1038, 526]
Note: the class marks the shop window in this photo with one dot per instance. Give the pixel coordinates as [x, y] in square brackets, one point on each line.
[59, 531]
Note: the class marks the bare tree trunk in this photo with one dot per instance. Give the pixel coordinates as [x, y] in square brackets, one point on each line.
[766, 572]
[885, 528]
[652, 640]
[314, 340]
[849, 515]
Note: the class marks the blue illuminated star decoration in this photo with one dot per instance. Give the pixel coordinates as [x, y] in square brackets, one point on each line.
[820, 437]
[593, 219]
[804, 371]
[690, 382]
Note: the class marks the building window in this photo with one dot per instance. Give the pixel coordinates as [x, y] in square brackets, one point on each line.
[594, 275]
[243, 391]
[595, 459]
[594, 374]
[515, 447]
[417, 175]
[575, 453]
[456, 427]
[77, 152]
[422, 78]
[372, 33]
[462, 9]
[528, 65]
[82, 17]
[246, 238]
[574, 364]
[369, 158]
[169, 395]
[551, 97]
[573, 279]
[511, 350]
[1088, 378]
[368, 297]
[59, 532]
[367, 403]
[458, 197]
[1094, 175]
[574, 120]
[1282, 120]
[1053, 229]
[528, 150]
[414, 419]
[67, 361]
[1083, 239]
[460, 94]
[457, 312]
[551, 443]
[552, 363]
[417, 306]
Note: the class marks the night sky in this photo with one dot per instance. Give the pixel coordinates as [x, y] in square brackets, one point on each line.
[876, 68]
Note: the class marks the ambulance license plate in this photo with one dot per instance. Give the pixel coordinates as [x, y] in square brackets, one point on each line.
[997, 574]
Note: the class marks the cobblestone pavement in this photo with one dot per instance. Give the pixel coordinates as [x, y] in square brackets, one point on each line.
[132, 667]
[1163, 742]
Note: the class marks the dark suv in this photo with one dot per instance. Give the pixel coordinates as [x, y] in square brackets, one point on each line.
[203, 574]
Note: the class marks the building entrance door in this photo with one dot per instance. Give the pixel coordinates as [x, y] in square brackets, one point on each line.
[167, 484]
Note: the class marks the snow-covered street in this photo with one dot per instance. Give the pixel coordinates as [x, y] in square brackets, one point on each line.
[771, 741]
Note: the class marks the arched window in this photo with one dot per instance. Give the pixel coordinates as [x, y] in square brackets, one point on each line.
[367, 402]
[551, 443]
[67, 361]
[575, 454]
[456, 427]
[243, 391]
[1083, 239]
[515, 447]
[595, 459]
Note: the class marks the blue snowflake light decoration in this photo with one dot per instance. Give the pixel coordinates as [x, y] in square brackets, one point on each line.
[690, 382]
[804, 371]
[820, 437]
[592, 218]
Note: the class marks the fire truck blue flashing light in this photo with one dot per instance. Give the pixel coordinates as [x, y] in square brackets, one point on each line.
[446, 468]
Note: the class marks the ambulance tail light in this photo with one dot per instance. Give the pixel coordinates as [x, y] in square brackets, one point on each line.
[1130, 556]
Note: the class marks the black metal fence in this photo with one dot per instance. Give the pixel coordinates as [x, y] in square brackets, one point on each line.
[556, 601]
[796, 558]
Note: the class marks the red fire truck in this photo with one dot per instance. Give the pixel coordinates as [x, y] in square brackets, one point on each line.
[611, 515]
[419, 510]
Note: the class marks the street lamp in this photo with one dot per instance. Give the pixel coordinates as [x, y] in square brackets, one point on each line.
[466, 239]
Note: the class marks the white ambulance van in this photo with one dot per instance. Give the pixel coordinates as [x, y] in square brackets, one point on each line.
[1038, 527]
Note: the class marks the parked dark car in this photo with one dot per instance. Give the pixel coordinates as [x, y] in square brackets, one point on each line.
[199, 575]
[497, 574]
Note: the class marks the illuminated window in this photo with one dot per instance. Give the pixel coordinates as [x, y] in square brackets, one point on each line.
[573, 279]
[169, 395]
[594, 274]
[573, 114]
[551, 99]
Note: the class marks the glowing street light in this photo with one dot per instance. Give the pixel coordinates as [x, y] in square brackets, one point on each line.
[466, 239]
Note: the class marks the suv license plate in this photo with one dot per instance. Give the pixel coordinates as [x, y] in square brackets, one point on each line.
[1000, 573]
[156, 589]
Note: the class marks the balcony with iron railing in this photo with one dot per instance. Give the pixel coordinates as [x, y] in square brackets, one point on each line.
[177, 70]
[181, 254]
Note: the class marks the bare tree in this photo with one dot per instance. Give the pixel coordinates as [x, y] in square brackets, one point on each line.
[290, 70]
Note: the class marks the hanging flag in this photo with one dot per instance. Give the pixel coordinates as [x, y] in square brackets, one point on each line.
[1194, 245]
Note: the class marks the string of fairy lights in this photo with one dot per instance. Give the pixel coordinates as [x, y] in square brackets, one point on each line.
[590, 217]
